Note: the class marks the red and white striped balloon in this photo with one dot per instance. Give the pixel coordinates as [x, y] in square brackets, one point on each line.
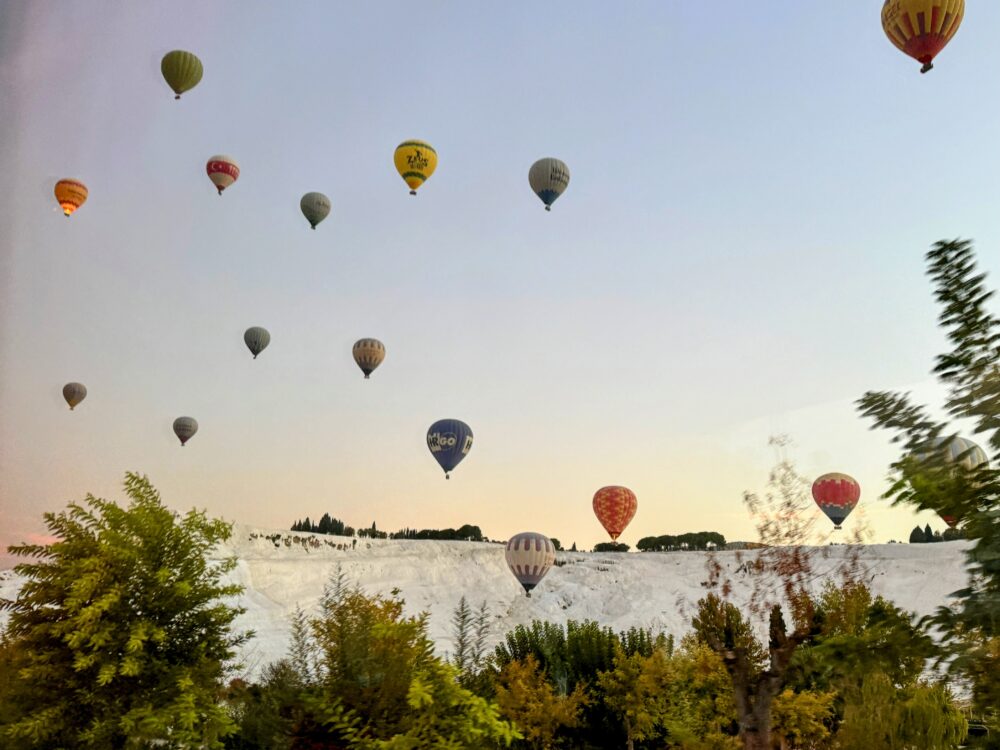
[223, 171]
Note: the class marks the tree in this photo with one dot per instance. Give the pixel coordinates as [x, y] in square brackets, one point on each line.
[556, 543]
[526, 698]
[611, 547]
[634, 690]
[917, 536]
[928, 533]
[784, 523]
[120, 634]
[801, 719]
[573, 548]
[971, 371]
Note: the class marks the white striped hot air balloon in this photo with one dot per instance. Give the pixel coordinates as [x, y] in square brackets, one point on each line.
[529, 557]
[223, 171]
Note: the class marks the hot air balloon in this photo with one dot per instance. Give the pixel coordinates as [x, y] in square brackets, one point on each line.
[315, 207]
[223, 171]
[181, 70]
[529, 557]
[921, 28]
[548, 178]
[415, 162]
[185, 428]
[71, 194]
[369, 353]
[256, 339]
[836, 495]
[957, 452]
[614, 507]
[74, 393]
[449, 440]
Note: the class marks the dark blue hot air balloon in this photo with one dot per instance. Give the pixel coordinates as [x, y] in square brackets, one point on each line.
[449, 440]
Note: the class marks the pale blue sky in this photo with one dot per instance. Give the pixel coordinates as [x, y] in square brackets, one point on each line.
[740, 251]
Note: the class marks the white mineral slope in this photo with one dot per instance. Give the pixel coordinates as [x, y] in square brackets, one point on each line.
[282, 570]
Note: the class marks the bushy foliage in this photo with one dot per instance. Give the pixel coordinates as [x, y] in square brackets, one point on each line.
[466, 533]
[120, 635]
[701, 540]
[611, 547]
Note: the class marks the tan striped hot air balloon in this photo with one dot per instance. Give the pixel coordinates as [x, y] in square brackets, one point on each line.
[415, 161]
[181, 70]
[368, 353]
[922, 28]
[71, 194]
[530, 556]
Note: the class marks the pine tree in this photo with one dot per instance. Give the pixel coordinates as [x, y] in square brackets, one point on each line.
[928, 533]
[120, 630]
[971, 370]
[461, 621]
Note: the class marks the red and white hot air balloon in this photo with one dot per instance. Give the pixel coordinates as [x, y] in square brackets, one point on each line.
[223, 171]
[530, 556]
[836, 495]
[614, 507]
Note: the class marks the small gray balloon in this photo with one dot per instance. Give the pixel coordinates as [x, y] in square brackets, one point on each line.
[316, 207]
[185, 428]
[256, 339]
[74, 393]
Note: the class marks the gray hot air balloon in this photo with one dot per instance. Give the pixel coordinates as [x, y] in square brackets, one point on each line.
[548, 178]
[316, 207]
[74, 393]
[185, 428]
[256, 339]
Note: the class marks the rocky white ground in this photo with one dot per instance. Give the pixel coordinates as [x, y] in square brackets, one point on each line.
[282, 570]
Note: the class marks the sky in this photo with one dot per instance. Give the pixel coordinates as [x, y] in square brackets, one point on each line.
[739, 253]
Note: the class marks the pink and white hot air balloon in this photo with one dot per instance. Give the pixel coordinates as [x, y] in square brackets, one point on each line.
[529, 557]
[223, 171]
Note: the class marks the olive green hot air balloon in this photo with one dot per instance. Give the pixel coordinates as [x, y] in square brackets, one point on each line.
[315, 207]
[74, 393]
[181, 70]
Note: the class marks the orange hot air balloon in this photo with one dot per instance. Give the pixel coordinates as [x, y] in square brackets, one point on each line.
[615, 507]
[71, 194]
[921, 28]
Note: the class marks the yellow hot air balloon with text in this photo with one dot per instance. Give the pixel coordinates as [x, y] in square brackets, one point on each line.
[71, 194]
[415, 162]
[921, 28]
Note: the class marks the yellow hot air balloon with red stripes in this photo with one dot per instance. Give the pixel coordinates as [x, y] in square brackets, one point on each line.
[921, 28]
[71, 194]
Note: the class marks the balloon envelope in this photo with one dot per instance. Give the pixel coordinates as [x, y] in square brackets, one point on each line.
[223, 171]
[181, 70]
[256, 339]
[922, 28]
[957, 452]
[415, 161]
[185, 428]
[449, 441]
[315, 207]
[530, 556]
[71, 194]
[368, 354]
[548, 178]
[615, 507]
[74, 393]
[836, 495]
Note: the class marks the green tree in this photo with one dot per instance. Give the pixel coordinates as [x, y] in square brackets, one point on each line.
[526, 698]
[971, 371]
[120, 634]
[928, 533]
[917, 536]
[611, 547]
[801, 719]
[635, 691]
